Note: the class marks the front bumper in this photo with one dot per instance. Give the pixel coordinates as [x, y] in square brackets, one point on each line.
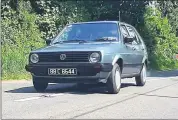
[87, 72]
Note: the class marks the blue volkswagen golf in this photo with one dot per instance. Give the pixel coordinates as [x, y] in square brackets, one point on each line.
[90, 52]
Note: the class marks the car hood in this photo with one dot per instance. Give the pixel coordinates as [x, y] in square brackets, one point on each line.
[76, 47]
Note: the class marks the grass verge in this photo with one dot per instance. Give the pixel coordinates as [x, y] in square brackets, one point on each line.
[9, 77]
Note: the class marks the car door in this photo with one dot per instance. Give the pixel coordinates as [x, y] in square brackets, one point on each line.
[127, 53]
[137, 49]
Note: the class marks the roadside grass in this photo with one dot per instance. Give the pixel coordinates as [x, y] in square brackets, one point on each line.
[14, 76]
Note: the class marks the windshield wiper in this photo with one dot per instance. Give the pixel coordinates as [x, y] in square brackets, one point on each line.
[70, 41]
[106, 39]
[79, 41]
[58, 42]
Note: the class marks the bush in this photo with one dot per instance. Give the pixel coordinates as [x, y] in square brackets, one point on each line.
[20, 35]
[162, 44]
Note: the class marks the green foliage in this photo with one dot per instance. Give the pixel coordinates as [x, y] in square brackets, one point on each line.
[54, 15]
[20, 35]
[162, 43]
[170, 9]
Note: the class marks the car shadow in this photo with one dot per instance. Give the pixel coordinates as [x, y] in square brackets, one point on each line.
[71, 89]
[89, 89]
[169, 73]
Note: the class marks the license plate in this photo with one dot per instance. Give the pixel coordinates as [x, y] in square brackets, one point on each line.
[62, 71]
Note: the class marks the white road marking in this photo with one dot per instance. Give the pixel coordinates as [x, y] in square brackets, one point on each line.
[38, 97]
[54, 95]
[27, 99]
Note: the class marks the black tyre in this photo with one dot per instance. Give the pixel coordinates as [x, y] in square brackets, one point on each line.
[81, 86]
[39, 85]
[114, 80]
[141, 79]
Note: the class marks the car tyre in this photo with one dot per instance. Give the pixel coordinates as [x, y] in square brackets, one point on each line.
[39, 85]
[114, 80]
[141, 79]
[81, 86]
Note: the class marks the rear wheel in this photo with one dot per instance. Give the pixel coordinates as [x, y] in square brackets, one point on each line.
[39, 84]
[141, 79]
[114, 80]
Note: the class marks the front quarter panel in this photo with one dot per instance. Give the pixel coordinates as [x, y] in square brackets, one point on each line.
[107, 58]
[111, 55]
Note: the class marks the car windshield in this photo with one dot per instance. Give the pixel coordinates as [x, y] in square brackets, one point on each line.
[88, 32]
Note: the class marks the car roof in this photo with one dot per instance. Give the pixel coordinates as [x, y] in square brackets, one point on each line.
[100, 22]
[124, 23]
[94, 22]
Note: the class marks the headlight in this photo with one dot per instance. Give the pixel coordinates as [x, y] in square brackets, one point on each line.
[94, 57]
[34, 58]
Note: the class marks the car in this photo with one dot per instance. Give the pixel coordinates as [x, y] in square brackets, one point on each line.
[90, 53]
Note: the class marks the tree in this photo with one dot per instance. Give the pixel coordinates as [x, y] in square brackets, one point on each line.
[170, 9]
[162, 44]
[20, 35]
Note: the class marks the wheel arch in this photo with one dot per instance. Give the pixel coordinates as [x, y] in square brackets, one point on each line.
[145, 61]
[118, 59]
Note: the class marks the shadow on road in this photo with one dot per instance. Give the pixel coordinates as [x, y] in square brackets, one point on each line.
[89, 89]
[71, 89]
[161, 96]
[171, 73]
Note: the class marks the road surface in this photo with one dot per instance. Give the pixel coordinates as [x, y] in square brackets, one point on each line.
[157, 99]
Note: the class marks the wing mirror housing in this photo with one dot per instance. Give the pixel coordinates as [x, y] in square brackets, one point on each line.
[48, 41]
[128, 39]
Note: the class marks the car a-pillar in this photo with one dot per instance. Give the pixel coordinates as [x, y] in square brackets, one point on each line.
[114, 80]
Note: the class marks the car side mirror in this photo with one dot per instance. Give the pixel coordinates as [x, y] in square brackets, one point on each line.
[128, 39]
[48, 41]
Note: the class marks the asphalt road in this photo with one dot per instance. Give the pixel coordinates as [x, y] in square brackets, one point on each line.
[157, 99]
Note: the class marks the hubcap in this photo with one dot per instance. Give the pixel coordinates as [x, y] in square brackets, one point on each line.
[144, 74]
[117, 79]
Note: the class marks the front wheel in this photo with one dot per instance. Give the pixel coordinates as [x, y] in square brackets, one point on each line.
[81, 86]
[39, 85]
[114, 80]
[141, 79]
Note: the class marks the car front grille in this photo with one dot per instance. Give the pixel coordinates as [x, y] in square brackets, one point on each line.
[70, 57]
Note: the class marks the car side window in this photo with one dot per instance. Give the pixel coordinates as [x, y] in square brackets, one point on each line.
[133, 34]
[124, 31]
[138, 36]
